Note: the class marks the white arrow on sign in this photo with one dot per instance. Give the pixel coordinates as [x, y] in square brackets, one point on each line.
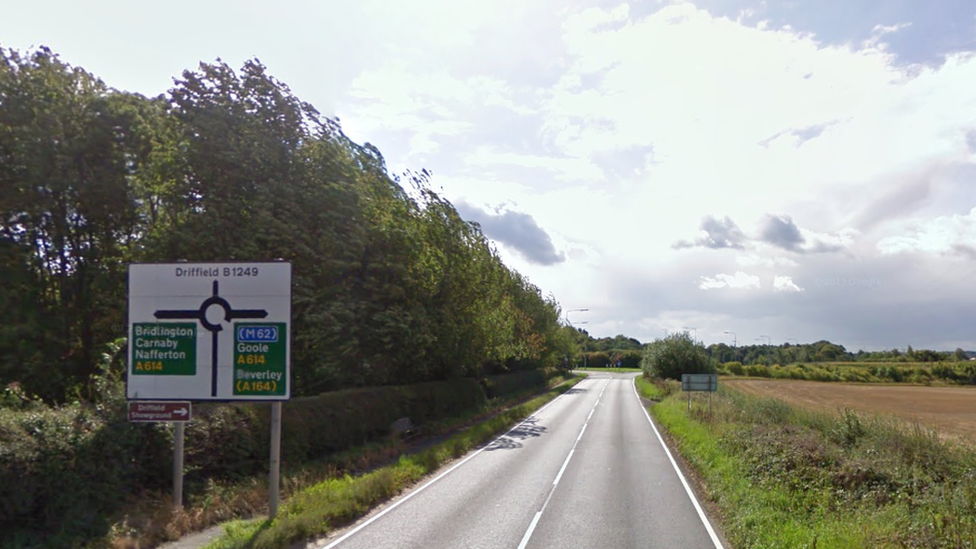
[180, 411]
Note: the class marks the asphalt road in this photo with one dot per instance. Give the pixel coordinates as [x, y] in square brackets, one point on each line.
[588, 470]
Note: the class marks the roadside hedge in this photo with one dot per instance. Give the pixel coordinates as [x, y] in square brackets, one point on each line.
[67, 471]
[231, 441]
[504, 385]
[64, 470]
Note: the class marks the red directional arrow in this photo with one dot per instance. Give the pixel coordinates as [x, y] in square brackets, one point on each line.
[151, 410]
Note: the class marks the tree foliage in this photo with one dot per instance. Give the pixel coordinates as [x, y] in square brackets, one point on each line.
[390, 286]
[823, 351]
[675, 355]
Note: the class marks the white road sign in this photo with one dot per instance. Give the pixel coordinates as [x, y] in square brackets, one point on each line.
[209, 331]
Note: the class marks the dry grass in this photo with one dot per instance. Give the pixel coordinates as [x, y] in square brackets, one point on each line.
[949, 410]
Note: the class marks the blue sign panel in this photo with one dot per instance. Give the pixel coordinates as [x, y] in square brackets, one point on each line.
[257, 334]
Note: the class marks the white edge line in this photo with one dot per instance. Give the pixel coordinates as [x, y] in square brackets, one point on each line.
[691, 495]
[348, 534]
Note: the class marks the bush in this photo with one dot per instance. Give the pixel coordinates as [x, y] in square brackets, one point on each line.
[757, 370]
[509, 384]
[675, 355]
[67, 471]
[598, 359]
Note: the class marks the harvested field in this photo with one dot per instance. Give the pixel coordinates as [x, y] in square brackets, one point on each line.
[950, 410]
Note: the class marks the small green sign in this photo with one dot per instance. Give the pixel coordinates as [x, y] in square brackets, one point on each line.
[164, 349]
[260, 355]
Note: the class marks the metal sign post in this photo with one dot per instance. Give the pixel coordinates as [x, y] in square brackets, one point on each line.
[178, 432]
[274, 480]
[209, 331]
[699, 383]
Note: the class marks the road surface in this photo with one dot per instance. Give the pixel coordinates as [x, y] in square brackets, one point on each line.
[586, 471]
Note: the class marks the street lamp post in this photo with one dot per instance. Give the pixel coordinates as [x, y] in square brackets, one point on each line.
[733, 337]
[768, 342]
[693, 329]
[583, 310]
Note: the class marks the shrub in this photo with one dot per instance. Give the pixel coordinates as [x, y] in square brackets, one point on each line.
[757, 370]
[598, 359]
[66, 471]
[734, 367]
[509, 384]
[675, 355]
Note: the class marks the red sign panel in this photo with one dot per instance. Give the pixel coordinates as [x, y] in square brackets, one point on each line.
[147, 410]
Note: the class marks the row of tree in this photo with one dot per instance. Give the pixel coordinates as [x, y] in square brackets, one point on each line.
[824, 351]
[390, 284]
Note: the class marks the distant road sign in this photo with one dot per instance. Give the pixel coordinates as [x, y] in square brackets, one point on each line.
[699, 382]
[147, 410]
[209, 331]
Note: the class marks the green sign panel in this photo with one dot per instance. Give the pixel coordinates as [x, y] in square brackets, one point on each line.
[164, 349]
[260, 355]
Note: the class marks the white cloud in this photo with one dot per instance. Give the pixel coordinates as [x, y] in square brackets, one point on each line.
[823, 242]
[785, 284]
[620, 133]
[564, 167]
[947, 235]
[888, 29]
[738, 281]
[754, 260]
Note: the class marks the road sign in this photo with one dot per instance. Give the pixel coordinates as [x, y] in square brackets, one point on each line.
[699, 382]
[209, 331]
[146, 410]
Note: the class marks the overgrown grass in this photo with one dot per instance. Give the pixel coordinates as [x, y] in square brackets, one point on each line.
[923, 373]
[656, 389]
[786, 477]
[336, 502]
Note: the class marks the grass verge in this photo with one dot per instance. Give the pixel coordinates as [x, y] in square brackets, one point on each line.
[150, 519]
[339, 501]
[611, 370]
[656, 389]
[786, 477]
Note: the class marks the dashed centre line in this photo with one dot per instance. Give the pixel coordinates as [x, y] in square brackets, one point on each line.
[535, 520]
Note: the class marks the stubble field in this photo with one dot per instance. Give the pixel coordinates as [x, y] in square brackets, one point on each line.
[949, 410]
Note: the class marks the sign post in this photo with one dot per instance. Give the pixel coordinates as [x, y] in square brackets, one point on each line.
[179, 429]
[208, 331]
[699, 383]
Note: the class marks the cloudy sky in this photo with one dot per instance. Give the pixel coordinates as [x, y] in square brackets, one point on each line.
[799, 169]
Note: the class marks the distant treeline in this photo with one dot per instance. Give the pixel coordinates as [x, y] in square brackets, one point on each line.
[824, 351]
[390, 286]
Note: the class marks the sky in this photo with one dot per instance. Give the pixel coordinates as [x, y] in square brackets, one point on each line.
[795, 170]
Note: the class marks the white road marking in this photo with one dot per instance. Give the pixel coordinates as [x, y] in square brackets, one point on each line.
[535, 520]
[438, 477]
[691, 495]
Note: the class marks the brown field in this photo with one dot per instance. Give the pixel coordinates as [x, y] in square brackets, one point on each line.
[950, 410]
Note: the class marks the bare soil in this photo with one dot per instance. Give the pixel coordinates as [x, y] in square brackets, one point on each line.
[949, 410]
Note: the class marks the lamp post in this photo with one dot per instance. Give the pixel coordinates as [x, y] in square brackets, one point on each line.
[582, 310]
[693, 329]
[768, 342]
[733, 337]
[665, 331]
